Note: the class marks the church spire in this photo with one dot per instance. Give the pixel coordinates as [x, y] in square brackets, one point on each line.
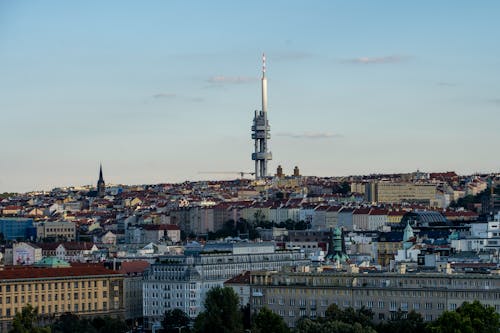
[101, 185]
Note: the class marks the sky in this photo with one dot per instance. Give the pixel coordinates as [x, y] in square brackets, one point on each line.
[163, 91]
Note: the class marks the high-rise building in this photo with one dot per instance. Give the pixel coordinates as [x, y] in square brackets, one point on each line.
[101, 185]
[261, 131]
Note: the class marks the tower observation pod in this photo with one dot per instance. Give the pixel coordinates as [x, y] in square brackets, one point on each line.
[261, 131]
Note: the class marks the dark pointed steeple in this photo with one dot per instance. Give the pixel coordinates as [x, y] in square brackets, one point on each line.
[101, 185]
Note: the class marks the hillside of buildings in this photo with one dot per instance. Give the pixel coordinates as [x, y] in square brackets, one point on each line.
[164, 246]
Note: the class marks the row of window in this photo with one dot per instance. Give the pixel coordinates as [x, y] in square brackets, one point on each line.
[82, 307]
[15, 299]
[49, 286]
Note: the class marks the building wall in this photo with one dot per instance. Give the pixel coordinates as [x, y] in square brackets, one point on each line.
[182, 281]
[132, 296]
[88, 295]
[388, 192]
[16, 228]
[59, 229]
[294, 295]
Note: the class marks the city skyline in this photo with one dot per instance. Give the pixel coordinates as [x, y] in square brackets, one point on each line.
[154, 91]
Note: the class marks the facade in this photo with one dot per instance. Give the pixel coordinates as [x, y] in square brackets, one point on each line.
[396, 192]
[14, 228]
[294, 295]
[25, 254]
[181, 281]
[70, 251]
[57, 230]
[132, 287]
[85, 290]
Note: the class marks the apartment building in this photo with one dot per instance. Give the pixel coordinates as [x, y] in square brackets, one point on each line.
[294, 295]
[181, 281]
[55, 287]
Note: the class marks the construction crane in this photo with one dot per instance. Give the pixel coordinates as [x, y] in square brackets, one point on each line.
[241, 173]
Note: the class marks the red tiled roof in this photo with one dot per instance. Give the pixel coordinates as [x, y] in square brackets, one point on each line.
[29, 272]
[243, 278]
[137, 266]
[377, 212]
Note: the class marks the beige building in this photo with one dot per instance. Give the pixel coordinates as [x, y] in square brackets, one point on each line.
[63, 230]
[55, 287]
[396, 192]
[294, 295]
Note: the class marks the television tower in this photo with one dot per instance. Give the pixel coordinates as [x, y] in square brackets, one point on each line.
[261, 131]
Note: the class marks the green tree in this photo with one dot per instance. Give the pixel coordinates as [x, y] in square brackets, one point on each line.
[411, 322]
[109, 324]
[71, 323]
[469, 317]
[26, 320]
[306, 325]
[222, 313]
[268, 321]
[362, 316]
[173, 319]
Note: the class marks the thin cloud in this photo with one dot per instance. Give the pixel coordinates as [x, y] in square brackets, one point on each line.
[292, 56]
[221, 79]
[170, 95]
[495, 101]
[165, 95]
[391, 59]
[446, 84]
[309, 135]
[197, 99]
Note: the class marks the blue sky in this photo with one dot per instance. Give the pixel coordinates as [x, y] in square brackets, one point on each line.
[159, 91]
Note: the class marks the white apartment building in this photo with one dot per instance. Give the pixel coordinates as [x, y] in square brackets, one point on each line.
[181, 281]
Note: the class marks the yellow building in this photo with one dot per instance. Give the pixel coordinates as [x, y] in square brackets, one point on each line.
[55, 287]
[395, 216]
[396, 192]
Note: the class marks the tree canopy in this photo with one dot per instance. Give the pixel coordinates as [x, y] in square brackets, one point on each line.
[222, 313]
[26, 321]
[267, 321]
[173, 319]
[468, 318]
